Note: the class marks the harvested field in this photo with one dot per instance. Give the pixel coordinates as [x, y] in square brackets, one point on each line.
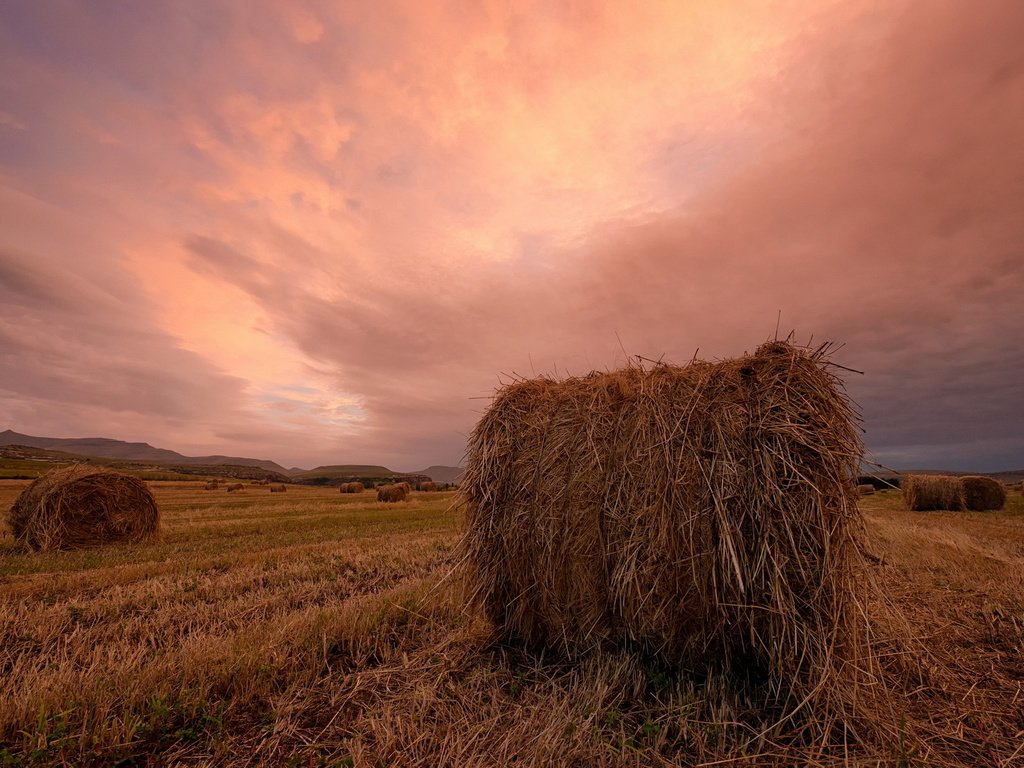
[311, 628]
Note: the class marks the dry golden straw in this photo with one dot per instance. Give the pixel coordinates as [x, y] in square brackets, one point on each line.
[707, 513]
[82, 506]
[392, 493]
[926, 493]
[982, 493]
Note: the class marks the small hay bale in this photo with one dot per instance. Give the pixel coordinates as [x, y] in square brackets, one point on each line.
[865, 489]
[278, 488]
[213, 485]
[235, 487]
[982, 493]
[264, 481]
[927, 493]
[707, 513]
[82, 506]
[430, 486]
[392, 493]
[351, 488]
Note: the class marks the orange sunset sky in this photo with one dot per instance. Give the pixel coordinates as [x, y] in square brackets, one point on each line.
[320, 232]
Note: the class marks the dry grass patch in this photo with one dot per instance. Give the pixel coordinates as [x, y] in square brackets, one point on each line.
[319, 629]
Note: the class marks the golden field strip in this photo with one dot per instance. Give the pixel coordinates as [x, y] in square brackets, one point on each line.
[313, 628]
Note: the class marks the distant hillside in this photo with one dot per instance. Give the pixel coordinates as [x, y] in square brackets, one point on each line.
[1007, 476]
[364, 473]
[107, 448]
[442, 474]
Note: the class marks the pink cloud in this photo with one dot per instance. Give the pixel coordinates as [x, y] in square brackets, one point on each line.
[330, 229]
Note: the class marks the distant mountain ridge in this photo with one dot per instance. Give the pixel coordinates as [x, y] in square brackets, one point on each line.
[107, 448]
[442, 474]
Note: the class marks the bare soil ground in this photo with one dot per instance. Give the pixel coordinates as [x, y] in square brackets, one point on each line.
[313, 628]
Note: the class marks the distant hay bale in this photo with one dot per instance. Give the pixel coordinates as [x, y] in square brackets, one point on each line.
[82, 506]
[278, 488]
[865, 489]
[926, 493]
[706, 512]
[430, 485]
[264, 481]
[235, 487]
[351, 488]
[982, 493]
[212, 485]
[391, 493]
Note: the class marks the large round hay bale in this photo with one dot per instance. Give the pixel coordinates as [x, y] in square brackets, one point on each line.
[278, 488]
[982, 493]
[392, 493]
[927, 493]
[430, 486]
[351, 488]
[405, 485]
[232, 487]
[865, 489]
[706, 512]
[82, 506]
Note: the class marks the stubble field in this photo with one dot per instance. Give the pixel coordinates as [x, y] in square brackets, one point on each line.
[314, 628]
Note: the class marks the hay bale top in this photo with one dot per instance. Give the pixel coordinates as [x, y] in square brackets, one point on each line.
[83, 506]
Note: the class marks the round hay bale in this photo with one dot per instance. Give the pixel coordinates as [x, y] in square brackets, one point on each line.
[82, 506]
[392, 493]
[212, 485]
[865, 489]
[232, 487]
[927, 493]
[351, 488]
[982, 493]
[406, 486]
[706, 512]
[278, 488]
[430, 486]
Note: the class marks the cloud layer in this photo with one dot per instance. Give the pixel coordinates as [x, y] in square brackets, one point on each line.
[320, 235]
